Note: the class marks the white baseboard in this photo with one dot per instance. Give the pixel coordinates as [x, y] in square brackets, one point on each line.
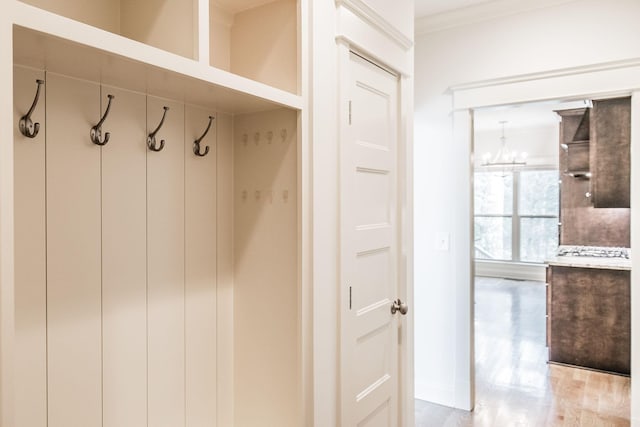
[440, 394]
[443, 394]
[511, 270]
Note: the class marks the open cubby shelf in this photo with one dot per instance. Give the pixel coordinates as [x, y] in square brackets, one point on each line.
[253, 53]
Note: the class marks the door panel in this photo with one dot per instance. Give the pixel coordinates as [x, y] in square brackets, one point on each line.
[30, 256]
[369, 246]
[74, 317]
[124, 257]
[200, 265]
[165, 267]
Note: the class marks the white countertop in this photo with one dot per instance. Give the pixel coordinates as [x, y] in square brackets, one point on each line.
[590, 262]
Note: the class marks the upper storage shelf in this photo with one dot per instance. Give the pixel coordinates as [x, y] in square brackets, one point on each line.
[167, 25]
[55, 43]
[257, 39]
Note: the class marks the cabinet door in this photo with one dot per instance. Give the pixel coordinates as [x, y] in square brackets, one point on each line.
[590, 318]
[73, 254]
[30, 256]
[124, 257]
[200, 270]
[165, 267]
[611, 155]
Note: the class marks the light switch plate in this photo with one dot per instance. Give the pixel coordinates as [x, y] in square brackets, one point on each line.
[442, 241]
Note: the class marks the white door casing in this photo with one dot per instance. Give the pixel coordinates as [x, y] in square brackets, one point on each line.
[369, 238]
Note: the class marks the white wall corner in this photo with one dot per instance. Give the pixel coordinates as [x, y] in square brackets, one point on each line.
[220, 16]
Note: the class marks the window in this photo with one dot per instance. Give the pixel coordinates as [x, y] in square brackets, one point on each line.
[516, 214]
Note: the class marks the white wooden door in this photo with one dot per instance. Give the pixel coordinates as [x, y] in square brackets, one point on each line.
[369, 244]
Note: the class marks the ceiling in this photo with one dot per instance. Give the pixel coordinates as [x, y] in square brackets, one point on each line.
[433, 7]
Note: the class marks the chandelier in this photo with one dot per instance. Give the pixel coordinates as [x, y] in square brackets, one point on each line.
[504, 157]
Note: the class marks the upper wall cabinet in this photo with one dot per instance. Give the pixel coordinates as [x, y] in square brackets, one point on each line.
[167, 25]
[574, 142]
[610, 153]
[595, 145]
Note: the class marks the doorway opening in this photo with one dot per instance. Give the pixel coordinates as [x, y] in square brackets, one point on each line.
[517, 231]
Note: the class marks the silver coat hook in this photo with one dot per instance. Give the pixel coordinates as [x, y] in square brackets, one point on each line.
[96, 131]
[196, 143]
[151, 139]
[27, 127]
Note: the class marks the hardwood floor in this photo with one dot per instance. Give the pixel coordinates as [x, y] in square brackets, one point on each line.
[514, 384]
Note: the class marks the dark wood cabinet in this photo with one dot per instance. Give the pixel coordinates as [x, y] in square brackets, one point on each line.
[595, 146]
[610, 155]
[589, 318]
[595, 174]
[574, 142]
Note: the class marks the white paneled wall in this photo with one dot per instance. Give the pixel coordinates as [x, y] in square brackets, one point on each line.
[124, 258]
[154, 288]
[165, 266]
[74, 307]
[265, 289]
[200, 270]
[30, 256]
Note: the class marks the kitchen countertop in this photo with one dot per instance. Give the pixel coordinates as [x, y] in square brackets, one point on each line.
[590, 262]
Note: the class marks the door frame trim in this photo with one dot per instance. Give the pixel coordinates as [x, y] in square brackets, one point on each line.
[405, 224]
[618, 78]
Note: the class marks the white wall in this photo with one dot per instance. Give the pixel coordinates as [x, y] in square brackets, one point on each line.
[568, 35]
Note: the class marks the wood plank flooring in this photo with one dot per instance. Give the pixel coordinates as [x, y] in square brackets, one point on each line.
[514, 384]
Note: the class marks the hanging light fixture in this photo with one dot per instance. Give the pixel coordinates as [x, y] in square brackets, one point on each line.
[504, 157]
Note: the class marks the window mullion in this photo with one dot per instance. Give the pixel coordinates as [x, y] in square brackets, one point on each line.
[515, 221]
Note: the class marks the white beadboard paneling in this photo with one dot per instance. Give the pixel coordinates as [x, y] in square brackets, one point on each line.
[30, 255]
[225, 282]
[200, 269]
[266, 340]
[165, 267]
[124, 273]
[73, 254]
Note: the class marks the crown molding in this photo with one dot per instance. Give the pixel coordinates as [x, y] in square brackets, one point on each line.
[594, 81]
[546, 75]
[368, 14]
[480, 13]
